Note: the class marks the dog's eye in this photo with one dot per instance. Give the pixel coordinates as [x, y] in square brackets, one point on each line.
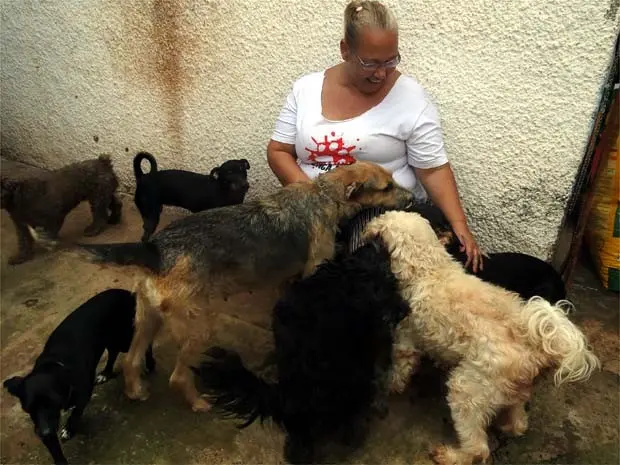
[389, 187]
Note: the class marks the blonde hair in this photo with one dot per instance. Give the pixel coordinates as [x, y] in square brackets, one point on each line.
[366, 13]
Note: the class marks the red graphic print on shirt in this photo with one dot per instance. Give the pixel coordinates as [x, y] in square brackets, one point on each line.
[334, 148]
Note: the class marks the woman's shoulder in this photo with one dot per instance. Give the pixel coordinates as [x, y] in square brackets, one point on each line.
[309, 80]
[409, 89]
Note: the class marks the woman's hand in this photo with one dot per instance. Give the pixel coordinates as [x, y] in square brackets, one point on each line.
[468, 245]
[441, 185]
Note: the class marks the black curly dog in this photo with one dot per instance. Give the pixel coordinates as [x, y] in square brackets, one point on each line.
[227, 184]
[333, 341]
[524, 274]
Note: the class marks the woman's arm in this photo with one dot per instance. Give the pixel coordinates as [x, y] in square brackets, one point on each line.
[440, 184]
[281, 155]
[282, 161]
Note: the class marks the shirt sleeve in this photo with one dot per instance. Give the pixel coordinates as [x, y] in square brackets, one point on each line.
[425, 145]
[286, 124]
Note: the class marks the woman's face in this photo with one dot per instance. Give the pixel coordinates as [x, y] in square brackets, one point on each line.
[370, 62]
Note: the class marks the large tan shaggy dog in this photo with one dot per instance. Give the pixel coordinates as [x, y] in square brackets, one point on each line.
[493, 342]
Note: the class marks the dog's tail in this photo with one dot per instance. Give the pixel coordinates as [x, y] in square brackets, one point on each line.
[143, 254]
[234, 391]
[137, 170]
[549, 329]
[105, 158]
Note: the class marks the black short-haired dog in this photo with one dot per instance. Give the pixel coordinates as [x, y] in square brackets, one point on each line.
[227, 184]
[518, 272]
[43, 201]
[333, 340]
[64, 373]
[521, 273]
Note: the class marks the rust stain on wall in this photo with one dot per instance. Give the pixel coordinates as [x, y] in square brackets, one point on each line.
[166, 17]
[155, 44]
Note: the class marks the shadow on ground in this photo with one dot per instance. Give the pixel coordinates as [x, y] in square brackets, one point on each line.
[575, 424]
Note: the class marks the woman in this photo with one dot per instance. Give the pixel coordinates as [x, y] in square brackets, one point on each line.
[365, 109]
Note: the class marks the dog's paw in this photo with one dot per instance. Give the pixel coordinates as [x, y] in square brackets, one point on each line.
[445, 455]
[512, 422]
[65, 434]
[137, 392]
[517, 427]
[46, 239]
[104, 377]
[201, 405]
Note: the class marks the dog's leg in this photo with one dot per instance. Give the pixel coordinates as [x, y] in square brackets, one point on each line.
[382, 381]
[25, 243]
[147, 324]
[52, 444]
[182, 379]
[132, 365]
[47, 234]
[116, 208]
[151, 220]
[108, 370]
[76, 415]
[473, 402]
[99, 210]
[513, 420]
[405, 362]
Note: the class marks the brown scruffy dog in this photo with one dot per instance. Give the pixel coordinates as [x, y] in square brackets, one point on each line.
[260, 244]
[42, 202]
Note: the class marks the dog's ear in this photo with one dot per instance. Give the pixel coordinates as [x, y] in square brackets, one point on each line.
[215, 173]
[246, 164]
[15, 386]
[373, 184]
[376, 182]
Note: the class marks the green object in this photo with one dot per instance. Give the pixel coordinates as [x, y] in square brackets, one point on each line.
[617, 221]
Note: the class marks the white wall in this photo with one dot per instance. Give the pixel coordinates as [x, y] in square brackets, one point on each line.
[199, 81]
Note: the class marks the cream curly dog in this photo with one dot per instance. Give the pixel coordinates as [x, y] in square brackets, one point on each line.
[493, 342]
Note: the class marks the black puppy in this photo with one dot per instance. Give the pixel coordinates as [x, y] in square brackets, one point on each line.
[521, 273]
[518, 272]
[333, 340]
[64, 373]
[227, 184]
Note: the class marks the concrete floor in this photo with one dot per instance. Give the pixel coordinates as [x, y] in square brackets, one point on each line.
[575, 424]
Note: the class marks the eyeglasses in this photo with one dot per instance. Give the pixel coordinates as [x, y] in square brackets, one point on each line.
[374, 66]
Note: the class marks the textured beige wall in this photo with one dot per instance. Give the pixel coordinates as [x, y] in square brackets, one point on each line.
[198, 81]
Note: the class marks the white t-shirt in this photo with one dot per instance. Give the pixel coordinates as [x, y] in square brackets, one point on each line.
[401, 132]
